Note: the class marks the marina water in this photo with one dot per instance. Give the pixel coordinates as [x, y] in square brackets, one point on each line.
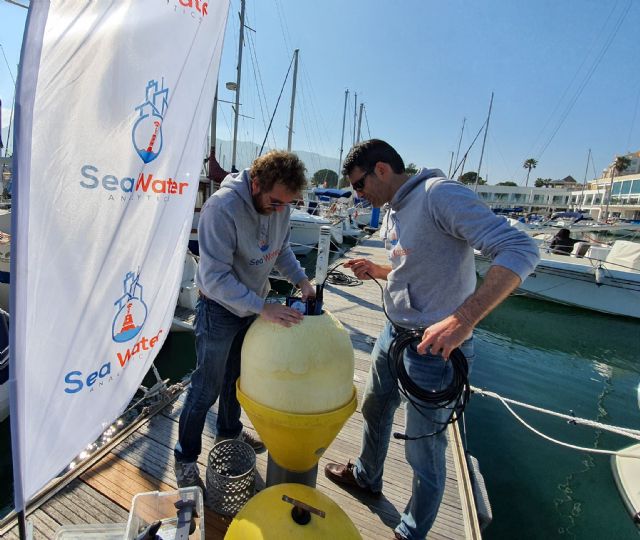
[548, 355]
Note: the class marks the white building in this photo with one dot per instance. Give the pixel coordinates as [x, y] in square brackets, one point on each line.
[525, 199]
[617, 199]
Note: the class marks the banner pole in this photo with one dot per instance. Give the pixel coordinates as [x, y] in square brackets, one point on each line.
[22, 529]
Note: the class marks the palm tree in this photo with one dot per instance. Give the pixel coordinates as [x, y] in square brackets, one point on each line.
[619, 165]
[529, 164]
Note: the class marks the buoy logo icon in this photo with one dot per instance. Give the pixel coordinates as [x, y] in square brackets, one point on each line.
[131, 310]
[147, 130]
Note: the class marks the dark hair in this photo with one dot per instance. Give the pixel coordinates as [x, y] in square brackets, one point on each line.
[279, 167]
[563, 234]
[366, 154]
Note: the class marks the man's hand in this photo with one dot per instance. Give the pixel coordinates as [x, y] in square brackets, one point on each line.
[282, 315]
[444, 336]
[308, 290]
[365, 269]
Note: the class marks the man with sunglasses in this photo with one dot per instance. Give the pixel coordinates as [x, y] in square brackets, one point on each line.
[243, 235]
[430, 231]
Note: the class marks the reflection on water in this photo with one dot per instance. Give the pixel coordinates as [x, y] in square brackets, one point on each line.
[587, 334]
[563, 359]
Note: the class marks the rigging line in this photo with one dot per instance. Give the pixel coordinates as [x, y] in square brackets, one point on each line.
[464, 157]
[633, 121]
[587, 78]
[276, 107]
[305, 74]
[573, 79]
[283, 27]
[8, 67]
[306, 90]
[366, 119]
[504, 161]
[258, 79]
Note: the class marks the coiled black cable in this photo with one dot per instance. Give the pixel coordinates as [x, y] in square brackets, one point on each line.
[453, 397]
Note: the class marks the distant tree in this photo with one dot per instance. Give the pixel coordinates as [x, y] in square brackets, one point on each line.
[529, 164]
[325, 178]
[343, 183]
[539, 182]
[411, 169]
[508, 183]
[470, 178]
[621, 163]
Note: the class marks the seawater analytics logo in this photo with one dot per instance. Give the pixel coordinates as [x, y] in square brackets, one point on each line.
[147, 131]
[147, 138]
[132, 311]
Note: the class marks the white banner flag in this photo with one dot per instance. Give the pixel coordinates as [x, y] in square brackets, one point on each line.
[113, 108]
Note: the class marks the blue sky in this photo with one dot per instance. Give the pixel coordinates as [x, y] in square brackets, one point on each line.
[564, 75]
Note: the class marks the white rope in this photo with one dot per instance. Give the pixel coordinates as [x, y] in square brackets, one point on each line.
[627, 432]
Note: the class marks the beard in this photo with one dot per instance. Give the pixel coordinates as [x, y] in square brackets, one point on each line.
[260, 206]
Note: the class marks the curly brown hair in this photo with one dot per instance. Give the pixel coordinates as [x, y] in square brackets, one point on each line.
[279, 167]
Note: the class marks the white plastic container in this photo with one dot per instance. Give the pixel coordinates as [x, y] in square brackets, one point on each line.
[148, 508]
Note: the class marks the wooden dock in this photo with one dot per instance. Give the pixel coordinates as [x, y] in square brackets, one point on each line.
[144, 460]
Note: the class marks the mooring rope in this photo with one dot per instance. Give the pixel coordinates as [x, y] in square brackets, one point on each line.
[627, 432]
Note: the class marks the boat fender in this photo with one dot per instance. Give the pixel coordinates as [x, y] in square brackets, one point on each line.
[480, 495]
[599, 276]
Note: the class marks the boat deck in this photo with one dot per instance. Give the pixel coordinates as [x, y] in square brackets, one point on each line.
[144, 460]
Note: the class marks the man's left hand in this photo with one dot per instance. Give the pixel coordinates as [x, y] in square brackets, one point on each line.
[308, 290]
[444, 336]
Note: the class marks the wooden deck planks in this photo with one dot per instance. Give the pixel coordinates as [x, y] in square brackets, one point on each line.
[144, 461]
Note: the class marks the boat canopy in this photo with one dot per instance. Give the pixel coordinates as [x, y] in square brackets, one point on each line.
[577, 216]
[325, 194]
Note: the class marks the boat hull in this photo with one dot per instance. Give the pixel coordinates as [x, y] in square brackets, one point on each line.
[607, 291]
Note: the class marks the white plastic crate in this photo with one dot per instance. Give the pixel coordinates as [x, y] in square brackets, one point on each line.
[148, 508]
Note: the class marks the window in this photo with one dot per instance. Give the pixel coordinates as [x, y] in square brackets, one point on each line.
[635, 187]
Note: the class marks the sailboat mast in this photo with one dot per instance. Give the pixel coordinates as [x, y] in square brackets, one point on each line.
[355, 115]
[459, 143]
[359, 121]
[484, 140]
[344, 117]
[586, 171]
[293, 96]
[237, 108]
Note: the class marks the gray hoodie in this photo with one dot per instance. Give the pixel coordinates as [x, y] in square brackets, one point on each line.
[430, 232]
[239, 247]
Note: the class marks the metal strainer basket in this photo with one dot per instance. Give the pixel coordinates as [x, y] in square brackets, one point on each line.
[231, 478]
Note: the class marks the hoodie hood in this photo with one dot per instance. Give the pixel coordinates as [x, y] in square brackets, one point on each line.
[240, 183]
[400, 197]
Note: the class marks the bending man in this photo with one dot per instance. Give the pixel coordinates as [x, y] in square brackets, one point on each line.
[243, 234]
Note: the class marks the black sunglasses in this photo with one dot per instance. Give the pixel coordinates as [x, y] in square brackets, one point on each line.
[359, 185]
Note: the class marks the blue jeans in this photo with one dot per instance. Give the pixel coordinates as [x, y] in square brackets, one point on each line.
[427, 455]
[219, 337]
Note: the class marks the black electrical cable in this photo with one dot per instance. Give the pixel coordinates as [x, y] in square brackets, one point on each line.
[453, 397]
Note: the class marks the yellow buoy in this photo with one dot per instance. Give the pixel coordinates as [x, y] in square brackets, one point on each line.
[295, 441]
[291, 511]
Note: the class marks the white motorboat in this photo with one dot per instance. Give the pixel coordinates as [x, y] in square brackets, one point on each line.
[305, 231]
[626, 473]
[605, 280]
